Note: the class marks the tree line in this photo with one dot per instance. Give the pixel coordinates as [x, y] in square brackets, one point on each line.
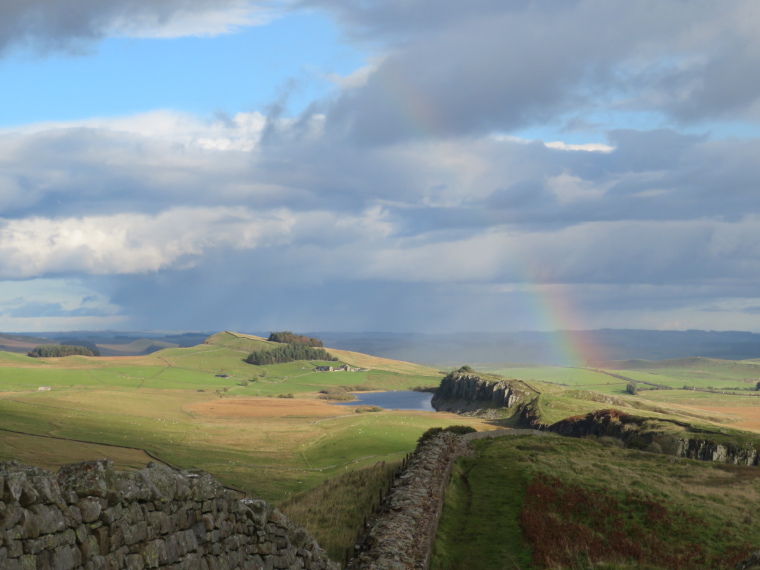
[288, 337]
[58, 350]
[288, 353]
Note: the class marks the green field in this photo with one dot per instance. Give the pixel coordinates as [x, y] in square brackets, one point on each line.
[204, 407]
[526, 502]
[702, 373]
[263, 429]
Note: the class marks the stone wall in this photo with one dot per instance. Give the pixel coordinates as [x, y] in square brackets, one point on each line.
[401, 537]
[88, 516]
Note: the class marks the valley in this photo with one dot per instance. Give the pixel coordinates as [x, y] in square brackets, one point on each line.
[271, 432]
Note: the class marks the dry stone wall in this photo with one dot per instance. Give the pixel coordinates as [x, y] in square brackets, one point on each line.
[88, 516]
[402, 536]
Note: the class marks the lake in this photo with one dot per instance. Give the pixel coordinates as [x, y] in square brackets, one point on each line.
[397, 400]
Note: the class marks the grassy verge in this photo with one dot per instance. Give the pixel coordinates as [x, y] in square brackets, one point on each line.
[334, 511]
[560, 503]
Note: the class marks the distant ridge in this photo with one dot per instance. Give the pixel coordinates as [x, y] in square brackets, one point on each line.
[455, 349]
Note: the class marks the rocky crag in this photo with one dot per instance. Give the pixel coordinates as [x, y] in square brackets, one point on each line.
[467, 393]
[401, 537]
[652, 435]
[88, 516]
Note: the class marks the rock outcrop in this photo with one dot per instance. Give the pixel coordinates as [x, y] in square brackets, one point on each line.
[469, 394]
[88, 516]
[401, 538]
[649, 434]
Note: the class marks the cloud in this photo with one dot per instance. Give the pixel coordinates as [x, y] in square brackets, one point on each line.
[73, 25]
[454, 69]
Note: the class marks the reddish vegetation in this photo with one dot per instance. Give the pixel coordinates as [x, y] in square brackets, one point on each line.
[566, 524]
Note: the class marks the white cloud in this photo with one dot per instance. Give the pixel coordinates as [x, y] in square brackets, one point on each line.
[588, 147]
[203, 21]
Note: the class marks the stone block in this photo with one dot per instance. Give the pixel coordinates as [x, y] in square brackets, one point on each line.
[153, 552]
[90, 509]
[134, 562]
[89, 548]
[48, 518]
[66, 558]
[72, 515]
[87, 479]
[15, 548]
[170, 553]
[11, 515]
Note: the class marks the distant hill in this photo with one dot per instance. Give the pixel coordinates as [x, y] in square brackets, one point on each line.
[108, 343]
[454, 349]
[443, 350]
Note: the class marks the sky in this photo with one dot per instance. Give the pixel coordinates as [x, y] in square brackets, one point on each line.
[379, 165]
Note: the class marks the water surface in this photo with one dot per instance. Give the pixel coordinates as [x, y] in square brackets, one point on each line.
[396, 400]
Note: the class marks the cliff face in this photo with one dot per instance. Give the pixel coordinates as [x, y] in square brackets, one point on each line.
[469, 394]
[645, 433]
[89, 517]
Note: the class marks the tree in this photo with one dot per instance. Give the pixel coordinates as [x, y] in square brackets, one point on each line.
[58, 350]
[632, 389]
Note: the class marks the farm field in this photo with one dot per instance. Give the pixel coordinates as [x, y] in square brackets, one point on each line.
[204, 407]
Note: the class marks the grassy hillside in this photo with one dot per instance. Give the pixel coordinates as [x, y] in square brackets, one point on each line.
[526, 502]
[204, 407]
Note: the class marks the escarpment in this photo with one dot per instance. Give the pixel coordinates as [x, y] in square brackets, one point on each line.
[652, 435]
[88, 516]
[467, 393]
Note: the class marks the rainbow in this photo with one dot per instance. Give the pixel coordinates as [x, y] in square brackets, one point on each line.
[557, 313]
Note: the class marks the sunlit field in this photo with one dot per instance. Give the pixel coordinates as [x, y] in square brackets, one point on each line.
[262, 429]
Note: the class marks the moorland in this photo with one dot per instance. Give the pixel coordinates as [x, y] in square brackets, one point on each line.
[269, 431]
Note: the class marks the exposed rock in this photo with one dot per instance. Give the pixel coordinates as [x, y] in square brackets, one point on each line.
[750, 563]
[469, 394]
[641, 432]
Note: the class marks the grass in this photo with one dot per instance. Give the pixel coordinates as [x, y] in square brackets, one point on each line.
[190, 407]
[334, 511]
[148, 402]
[524, 502]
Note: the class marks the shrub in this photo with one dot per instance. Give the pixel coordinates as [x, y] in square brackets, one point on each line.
[367, 409]
[459, 430]
[336, 393]
[290, 395]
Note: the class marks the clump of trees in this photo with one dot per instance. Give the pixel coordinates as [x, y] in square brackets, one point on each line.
[288, 353]
[58, 350]
[288, 337]
[632, 389]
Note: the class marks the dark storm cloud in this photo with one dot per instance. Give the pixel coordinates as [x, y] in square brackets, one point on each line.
[464, 68]
[73, 25]
[435, 220]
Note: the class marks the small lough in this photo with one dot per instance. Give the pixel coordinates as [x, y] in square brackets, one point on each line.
[397, 400]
